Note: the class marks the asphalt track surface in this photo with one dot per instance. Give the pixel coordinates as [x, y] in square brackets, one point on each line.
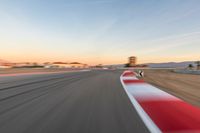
[77, 102]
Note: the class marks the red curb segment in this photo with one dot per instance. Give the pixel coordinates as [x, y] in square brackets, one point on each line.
[173, 116]
[128, 74]
[168, 114]
[133, 81]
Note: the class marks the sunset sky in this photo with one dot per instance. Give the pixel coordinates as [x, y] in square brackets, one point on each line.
[99, 31]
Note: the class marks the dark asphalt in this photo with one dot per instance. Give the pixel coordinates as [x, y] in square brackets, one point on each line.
[78, 102]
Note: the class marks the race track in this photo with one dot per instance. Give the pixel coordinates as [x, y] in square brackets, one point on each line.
[77, 102]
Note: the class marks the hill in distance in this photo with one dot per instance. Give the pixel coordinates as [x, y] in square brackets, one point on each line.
[162, 65]
[171, 64]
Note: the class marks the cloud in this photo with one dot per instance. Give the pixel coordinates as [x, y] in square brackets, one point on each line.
[184, 15]
[167, 43]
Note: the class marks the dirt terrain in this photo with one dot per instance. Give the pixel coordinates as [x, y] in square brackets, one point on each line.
[184, 86]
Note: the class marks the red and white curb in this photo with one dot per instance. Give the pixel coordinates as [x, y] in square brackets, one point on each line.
[160, 111]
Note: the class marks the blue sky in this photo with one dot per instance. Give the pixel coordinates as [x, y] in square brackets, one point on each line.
[99, 31]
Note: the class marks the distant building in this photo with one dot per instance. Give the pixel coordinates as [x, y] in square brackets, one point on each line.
[132, 61]
[23, 64]
[58, 65]
[28, 65]
[66, 65]
[78, 65]
[6, 65]
[198, 65]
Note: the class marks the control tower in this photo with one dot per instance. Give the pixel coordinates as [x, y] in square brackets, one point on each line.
[132, 61]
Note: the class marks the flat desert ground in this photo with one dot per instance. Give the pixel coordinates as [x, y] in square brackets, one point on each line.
[184, 86]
